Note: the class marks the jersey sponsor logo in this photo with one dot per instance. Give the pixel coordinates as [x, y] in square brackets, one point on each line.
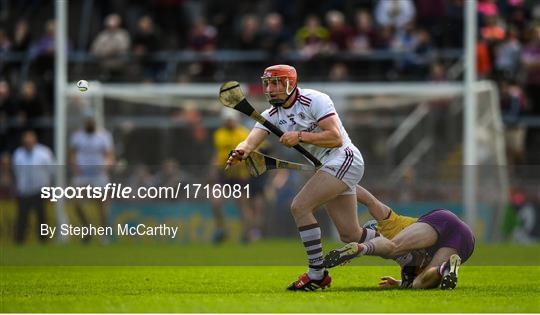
[302, 116]
[330, 168]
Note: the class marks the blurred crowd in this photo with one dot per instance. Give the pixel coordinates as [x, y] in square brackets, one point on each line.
[127, 39]
[323, 38]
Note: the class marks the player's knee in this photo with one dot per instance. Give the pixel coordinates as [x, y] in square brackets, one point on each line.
[299, 209]
[349, 237]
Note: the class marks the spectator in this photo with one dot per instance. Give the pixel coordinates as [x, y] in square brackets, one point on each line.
[202, 37]
[423, 51]
[405, 39]
[90, 157]
[21, 37]
[29, 104]
[364, 33]
[140, 177]
[6, 178]
[146, 42]
[340, 34]
[174, 16]
[518, 16]
[44, 47]
[223, 16]
[339, 73]
[5, 43]
[508, 54]
[32, 166]
[312, 37]
[10, 119]
[5, 47]
[483, 58]
[417, 48]
[430, 15]
[513, 100]
[250, 36]
[487, 8]
[384, 39]
[513, 103]
[454, 24]
[3, 116]
[492, 31]
[43, 65]
[111, 45]
[437, 73]
[394, 13]
[530, 58]
[275, 39]
[171, 174]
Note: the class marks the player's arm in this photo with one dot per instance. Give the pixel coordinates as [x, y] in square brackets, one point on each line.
[329, 137]
[243, 149]
[109, 158]
[378, 210]
[72, 161]
[108, 153]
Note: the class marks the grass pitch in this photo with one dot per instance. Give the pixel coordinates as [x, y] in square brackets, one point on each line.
[53, 279]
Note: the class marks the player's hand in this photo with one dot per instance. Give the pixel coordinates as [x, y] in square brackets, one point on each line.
[290, 138]
[234, 157]
[389, 282]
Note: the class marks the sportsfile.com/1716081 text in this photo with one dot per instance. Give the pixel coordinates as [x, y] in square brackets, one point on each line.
[120, 191]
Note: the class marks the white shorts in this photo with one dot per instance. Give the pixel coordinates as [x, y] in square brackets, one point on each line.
[346, 165]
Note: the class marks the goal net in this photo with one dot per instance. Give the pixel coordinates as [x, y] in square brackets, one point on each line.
[410, 135]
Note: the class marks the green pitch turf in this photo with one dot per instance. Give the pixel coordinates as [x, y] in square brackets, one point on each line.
[53, 279]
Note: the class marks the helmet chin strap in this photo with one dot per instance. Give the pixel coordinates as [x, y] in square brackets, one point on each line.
[282, 102]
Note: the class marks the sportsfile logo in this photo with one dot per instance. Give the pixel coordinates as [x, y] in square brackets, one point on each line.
[120, 191]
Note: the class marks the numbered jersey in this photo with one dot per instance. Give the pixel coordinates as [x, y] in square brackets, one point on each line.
[308, 109]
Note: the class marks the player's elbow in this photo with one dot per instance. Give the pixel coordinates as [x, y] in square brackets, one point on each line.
[337, 140]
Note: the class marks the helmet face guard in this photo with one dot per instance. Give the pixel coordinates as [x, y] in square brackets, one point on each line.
[282, 85]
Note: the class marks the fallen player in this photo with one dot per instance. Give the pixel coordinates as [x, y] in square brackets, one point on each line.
[444, 237]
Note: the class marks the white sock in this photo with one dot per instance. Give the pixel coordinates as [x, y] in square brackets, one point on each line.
[311, 237]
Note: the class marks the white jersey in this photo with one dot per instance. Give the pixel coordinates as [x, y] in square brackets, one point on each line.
[90, 149]
[309, 108]
[33, 169]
